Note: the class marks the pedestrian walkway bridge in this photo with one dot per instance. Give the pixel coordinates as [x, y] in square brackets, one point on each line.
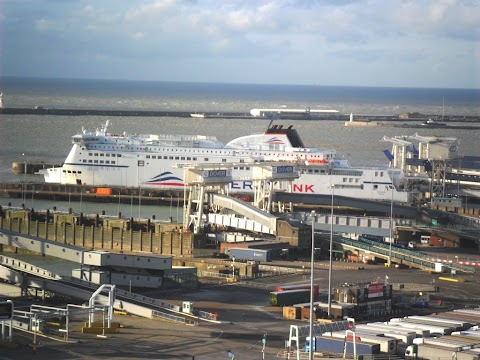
[252, 218]
[398, 255]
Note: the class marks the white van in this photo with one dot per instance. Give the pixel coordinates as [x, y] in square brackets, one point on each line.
[425, 239]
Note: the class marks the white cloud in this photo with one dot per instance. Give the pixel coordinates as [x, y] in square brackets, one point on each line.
[44, 24]
[439, 9]
[292, 36]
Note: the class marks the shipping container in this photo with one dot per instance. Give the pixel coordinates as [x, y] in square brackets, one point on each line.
[455, 325]
[104, 191]
[289, 297]
[434, 329]
[390, 331]
[239, 254]
[337, 346]
[387, 344]
[316, 288]
[430, 351]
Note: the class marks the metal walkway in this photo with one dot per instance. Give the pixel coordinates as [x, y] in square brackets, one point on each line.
[252, 218]
[405, 256]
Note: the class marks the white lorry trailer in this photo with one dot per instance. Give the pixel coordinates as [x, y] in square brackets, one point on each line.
[434, 329]
[388, 345]
[433, 351]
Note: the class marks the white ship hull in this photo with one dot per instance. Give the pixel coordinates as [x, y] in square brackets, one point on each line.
[149, 161]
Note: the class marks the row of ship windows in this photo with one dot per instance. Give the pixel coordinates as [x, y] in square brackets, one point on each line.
[350, 180]
[99, 161]
[314, 171]
[106, 155]
[113, 162]
[71, 172]
[200, 151]
[188, 158]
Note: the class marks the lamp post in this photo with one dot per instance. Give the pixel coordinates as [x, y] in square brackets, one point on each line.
[330, 261]
[24, 186]
[310, 349]
[141, 163]
[119, 199]
[391, 228]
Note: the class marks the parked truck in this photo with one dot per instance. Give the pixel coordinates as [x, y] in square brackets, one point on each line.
[244, 254]
[434, 329]
[289, 297]
[336, 346]
[404, 336]
[455, 325]
[433, 351]
[316, 288]
[387, 344]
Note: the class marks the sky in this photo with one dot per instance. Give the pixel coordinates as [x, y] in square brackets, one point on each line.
[393, 43]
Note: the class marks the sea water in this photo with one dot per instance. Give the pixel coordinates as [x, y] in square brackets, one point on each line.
[48, 137]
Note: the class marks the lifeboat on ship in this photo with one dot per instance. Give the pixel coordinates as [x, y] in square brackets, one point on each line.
[316, 162]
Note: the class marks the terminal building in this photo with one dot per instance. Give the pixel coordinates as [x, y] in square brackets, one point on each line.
[305, 113]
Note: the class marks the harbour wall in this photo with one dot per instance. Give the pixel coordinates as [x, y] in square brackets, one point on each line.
[102, 233]
[239, 115]
[59, 192]
[410, 125]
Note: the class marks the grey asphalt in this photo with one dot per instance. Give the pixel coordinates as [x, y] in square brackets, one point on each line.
[245, 316]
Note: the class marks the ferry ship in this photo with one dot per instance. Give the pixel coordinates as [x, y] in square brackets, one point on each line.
[106, 159]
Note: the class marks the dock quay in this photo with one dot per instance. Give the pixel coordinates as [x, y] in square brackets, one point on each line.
[59, 192]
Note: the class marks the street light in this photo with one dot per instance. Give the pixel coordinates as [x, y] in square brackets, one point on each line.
[24, 186]
[311, 287]
[391, 227]
[81, 198]
[331, 254]
[119, 198]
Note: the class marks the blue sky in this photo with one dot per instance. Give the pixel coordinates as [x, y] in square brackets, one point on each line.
[398, 43]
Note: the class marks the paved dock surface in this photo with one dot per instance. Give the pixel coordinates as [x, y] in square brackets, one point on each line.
[244, 313]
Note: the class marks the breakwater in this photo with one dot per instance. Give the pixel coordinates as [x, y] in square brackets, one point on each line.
[412, 125]
[92, 112]
[178, 114]
[87, 112]
[225, 115]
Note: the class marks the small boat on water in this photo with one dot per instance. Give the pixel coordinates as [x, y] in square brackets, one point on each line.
[433, 123]
[196, 115]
